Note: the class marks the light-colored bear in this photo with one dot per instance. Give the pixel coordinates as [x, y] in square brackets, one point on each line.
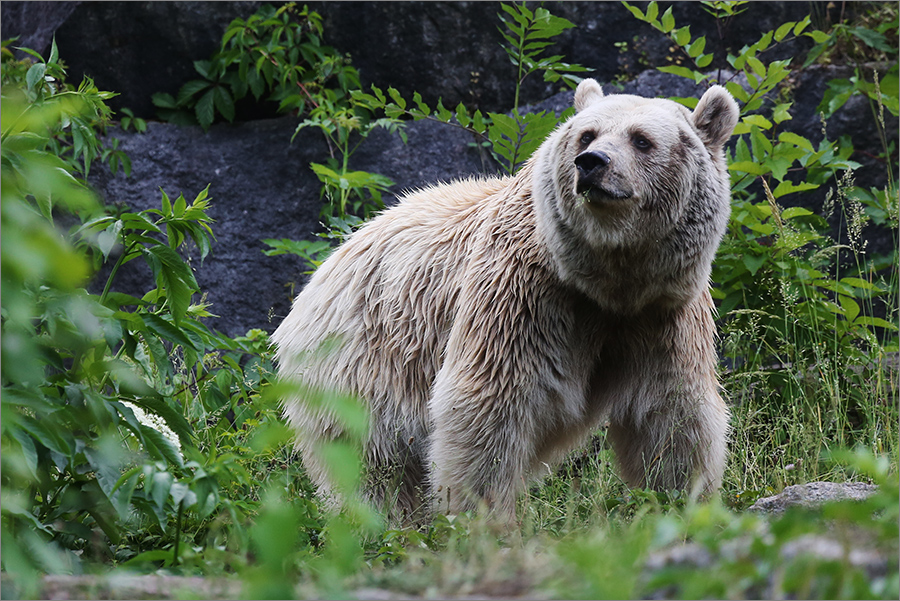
[490, 325]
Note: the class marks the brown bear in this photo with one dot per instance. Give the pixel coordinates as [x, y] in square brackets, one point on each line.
[490, 325]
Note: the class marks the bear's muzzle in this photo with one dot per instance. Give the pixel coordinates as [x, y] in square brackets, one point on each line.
[593, 181]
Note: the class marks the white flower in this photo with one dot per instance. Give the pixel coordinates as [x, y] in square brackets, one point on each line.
[151, 420]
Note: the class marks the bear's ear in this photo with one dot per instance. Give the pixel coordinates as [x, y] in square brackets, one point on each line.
[715, 116]
[588, 91]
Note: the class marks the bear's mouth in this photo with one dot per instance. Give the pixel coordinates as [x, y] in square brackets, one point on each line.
[600, 194]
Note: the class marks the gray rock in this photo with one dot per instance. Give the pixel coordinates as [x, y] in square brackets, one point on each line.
[829, 549]
[262, 187]
[448, 50]
[813, 494]
[33, 23]
[133, 586]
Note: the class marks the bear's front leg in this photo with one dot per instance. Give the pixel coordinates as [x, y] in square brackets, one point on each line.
[679, 443]
[489, 400]
[669, 425]
[481, 442]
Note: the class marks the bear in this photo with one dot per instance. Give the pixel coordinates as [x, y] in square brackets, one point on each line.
[491, 325]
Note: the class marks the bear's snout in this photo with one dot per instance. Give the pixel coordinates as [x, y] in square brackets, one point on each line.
[588, 161]
[590, 165]
[594, 180]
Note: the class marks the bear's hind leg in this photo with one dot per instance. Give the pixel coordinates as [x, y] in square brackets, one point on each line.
[399, 489]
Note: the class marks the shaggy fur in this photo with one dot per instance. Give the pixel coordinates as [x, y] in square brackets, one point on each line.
[490, 325]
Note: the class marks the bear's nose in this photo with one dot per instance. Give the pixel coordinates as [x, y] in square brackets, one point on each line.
[590, 160]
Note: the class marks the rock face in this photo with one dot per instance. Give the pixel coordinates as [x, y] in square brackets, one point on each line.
[34, 23]
[262, 187]
[813, 494]
[448, 50]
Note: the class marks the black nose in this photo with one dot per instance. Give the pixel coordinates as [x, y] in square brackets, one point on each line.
[588, 161]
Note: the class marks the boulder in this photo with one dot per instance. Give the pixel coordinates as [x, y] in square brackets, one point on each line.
[812, 495]
[33, 23]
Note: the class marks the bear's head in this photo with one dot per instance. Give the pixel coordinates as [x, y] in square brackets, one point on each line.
[643, 179]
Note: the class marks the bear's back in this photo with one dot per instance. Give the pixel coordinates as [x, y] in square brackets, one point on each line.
[388, 295]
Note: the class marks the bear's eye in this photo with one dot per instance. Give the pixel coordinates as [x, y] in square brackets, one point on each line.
[641, 143]
[587, 137]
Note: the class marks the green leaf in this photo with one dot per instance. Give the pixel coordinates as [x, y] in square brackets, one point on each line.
[167, 331]
[203, 68]
[668, 21]
[166, 203]
[753, 262]
[793, 212]
[796, 140]
[763, 42]
[876, 322]
[696, 47]
[46, 434]
[179, 207]
[424, 108]
[442, 113]
[690, 102]
[873, 39]
[757, 120]
[757, 66]
[153, 556]
[636, 12]
[205, 109]
[123, 490]
[106, 240]
[736, 90]
[175, 276]
[850, 306]
[802, 25]
[478, 123]
[778, 165]
[182, 495]
[704, 61]
[395, 96]
[695, 76]
[189, 90]
[748, 167]
[35, 75]
[819, 37]
[224, 103]
[787, 187]
[462, 115]
[140, 222]
[160, 482]
[54, 52]
[781, 112]
[163, 100]
[682, 35]
[782, 31]
[29, 452]
[861, 284]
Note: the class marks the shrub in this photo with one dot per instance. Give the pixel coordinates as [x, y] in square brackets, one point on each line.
[114, 407]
